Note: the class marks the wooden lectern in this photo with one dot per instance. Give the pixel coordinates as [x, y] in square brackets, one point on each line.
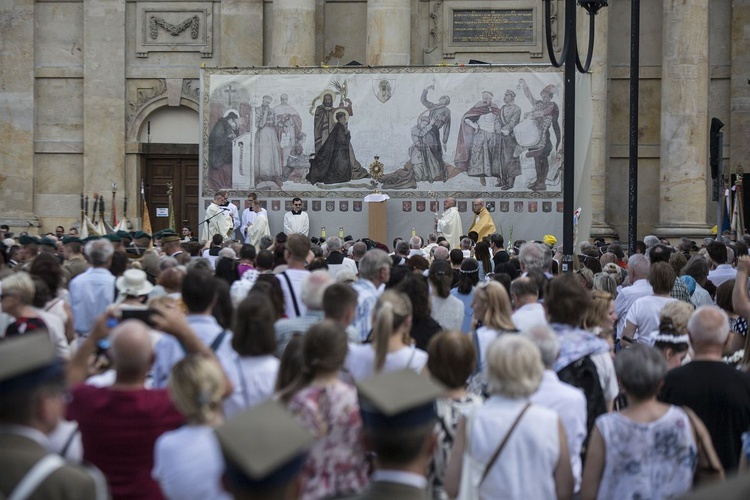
[377, 218]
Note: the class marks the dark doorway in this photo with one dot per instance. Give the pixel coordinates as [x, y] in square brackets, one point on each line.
[176, 164]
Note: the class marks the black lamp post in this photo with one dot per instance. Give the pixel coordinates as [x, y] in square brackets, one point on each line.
[571, 59]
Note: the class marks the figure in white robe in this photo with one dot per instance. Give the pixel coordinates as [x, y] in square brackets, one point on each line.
[259, 228]
[449, 225]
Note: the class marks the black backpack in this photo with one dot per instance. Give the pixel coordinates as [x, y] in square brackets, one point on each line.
[582, 374]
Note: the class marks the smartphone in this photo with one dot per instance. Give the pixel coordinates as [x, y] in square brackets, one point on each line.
[139, 314]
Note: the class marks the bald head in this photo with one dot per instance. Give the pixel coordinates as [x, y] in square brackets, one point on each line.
[441, 253]
[131, 352]
[708, 327]
[313, 287]
[477, 205]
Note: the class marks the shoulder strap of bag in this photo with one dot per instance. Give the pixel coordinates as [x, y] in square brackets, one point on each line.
[36, 475]
[69, 442]
[291, 292]
[502, 445]
[475, 338]
[218, 340]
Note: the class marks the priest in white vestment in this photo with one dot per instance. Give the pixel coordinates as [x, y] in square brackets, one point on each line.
[218, 219]
[258, 229]
[449, 225]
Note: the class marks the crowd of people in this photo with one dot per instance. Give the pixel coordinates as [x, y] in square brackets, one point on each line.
[156, 366]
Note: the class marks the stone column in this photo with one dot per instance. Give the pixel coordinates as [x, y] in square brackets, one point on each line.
[388, 32]
[683, 167]
[103, 95]
[241, 33]
[739, 93]
[598, 157]
[293, 37]
[17, 113]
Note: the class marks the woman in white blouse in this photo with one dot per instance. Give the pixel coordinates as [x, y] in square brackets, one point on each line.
[391, 347]
[534, 462]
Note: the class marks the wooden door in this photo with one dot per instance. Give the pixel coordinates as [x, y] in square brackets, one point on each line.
[182, 172]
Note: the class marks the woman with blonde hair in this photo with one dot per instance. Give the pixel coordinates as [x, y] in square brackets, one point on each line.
[492, 318]
[187, 461]
[600, 316]
[391, 348]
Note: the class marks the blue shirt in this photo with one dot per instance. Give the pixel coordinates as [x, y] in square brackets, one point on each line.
[90, 294]
[367, 296]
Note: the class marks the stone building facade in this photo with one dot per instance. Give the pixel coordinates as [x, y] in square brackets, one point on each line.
[95, 92]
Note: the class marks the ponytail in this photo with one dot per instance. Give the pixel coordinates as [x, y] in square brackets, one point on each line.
[391, 311]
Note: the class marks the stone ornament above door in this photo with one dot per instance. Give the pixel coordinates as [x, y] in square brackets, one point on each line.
[174, 27]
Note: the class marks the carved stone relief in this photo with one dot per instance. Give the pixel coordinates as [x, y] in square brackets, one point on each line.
[145, 95]
[174, 27]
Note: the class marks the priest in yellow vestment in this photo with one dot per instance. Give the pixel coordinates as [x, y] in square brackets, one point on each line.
[482, 223]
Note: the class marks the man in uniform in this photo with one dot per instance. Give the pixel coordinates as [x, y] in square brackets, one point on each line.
[75, 263]
[32, 401]
[29, 250]
[482, 223]
[449, 225]
[171, 244]
[398, 418]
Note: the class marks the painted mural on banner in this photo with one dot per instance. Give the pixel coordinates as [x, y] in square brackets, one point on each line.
[494, 132]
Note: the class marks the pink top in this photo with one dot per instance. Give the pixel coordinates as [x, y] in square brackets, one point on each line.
[336, 463]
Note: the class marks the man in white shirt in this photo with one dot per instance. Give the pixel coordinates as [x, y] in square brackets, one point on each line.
[524, 295]
[374, 273]
[569, 402]
[449, 225]
[722, 271]
[297, 248]
[296, 221]
[249, 215]
[638, 267]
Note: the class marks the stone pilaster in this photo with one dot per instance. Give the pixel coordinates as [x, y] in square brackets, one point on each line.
[684, 120]
[599, 156]
[17, 113]
[739, 93]
[293, 37]
[241, 33]
[388, 32]
[103, 95]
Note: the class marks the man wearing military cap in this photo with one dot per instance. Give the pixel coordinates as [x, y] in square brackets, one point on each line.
[29, 250]
[139, 250]
[115, 240]
[264, 450]
[398, 416]
[171, 244]
[75, 263]
[32, 389]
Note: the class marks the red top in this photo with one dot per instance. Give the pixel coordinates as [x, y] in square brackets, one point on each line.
[118, 430]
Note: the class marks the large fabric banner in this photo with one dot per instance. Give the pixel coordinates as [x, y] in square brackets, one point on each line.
[482, 131]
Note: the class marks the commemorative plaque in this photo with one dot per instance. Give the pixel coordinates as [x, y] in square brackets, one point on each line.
[493, 26]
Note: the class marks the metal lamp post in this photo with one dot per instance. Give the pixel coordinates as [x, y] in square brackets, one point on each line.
[571, 59]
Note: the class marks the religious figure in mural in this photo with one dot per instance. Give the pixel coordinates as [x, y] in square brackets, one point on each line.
[288, 127]
[267, 149]
[546, 114]
[506, 144]
[332, 162]
[324, 123]
[475, 140]
[426, 152]
[384, 91]
[220, 142]
[440, 118]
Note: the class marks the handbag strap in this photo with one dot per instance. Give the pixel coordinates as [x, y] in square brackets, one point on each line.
[502, 445]
[291, 292]
[35, 476]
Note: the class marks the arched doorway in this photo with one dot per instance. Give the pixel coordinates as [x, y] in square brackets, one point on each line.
[169, 156]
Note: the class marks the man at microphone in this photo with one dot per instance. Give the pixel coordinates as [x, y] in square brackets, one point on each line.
[218, 219]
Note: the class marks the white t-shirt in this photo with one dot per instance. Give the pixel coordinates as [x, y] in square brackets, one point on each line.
[296, 276]
[254, 380]
[188, 463]
[360, 362]
[644, 314]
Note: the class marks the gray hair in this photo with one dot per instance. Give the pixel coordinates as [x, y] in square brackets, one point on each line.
[167, 263]
[638, 266]
[99, 252]
[371, 264]
[359, 249]
[651, 241]
[535, 257]
[514, 367]
[640, 369]
[227, 253]
[697, 267]
[415, 242]
[432, 237]
[265, 242]
[441, 253]
[708, 325]
[313, 287]
[20, 284]
[605, 282]
[546, 340]
[333, 243]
